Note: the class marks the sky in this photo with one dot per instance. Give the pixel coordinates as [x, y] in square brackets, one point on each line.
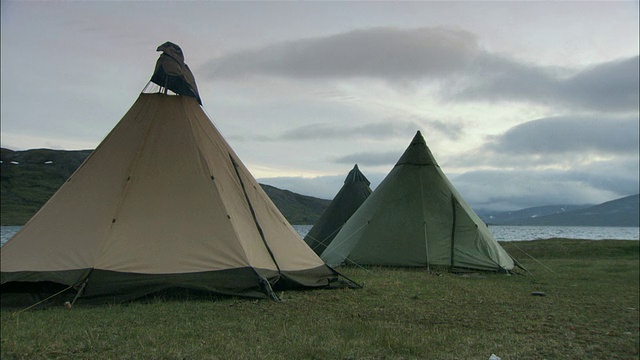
[522, 103]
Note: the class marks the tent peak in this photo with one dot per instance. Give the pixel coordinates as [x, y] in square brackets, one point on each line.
[417, 153]
[418, 139]
[355, 175]
[172, 73]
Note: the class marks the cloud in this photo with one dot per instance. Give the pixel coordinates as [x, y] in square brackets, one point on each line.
[608, 86]
[381, 52]
[383, 130]
[323, 187]
[369, 158]
[570, 134]
[470, 73]
[558, 160]
[561, 143]
[375, 131]
[517, 189]
[504, 189]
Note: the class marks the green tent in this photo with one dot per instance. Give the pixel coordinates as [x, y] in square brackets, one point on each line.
[162, 203]
[416, 218]
[352, 194]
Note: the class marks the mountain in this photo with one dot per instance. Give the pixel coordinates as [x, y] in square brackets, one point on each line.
[619, 212]
[509, 217]
[29, 178]
[298, 209]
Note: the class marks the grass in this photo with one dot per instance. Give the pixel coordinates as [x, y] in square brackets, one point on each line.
[590, 311]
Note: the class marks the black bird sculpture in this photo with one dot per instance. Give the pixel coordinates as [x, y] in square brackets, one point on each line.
[173, 74]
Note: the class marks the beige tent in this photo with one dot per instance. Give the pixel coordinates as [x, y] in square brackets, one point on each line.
[163, 202]
[415, 217]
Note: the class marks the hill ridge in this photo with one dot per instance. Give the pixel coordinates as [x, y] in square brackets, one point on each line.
[30, 177]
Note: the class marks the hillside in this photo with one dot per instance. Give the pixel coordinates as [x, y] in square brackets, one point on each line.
[298, 209]
[30, 177]
[513, 217]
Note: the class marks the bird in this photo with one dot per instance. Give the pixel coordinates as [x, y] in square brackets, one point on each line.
[171, 72]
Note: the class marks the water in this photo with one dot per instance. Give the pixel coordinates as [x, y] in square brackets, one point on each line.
[303, 230]
[501, 233]
[6, 232]
[523, 233]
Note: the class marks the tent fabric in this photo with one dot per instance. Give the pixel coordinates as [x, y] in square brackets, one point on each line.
[173, 73]
[416, 218]
[162, 202]
[353, 193]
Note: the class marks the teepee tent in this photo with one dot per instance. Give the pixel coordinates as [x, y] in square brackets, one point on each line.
[416, 218]
[163, 202]
[352, 194]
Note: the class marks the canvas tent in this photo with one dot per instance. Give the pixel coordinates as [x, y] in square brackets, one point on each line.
[416, 218]
[163, 202]
[352, 194]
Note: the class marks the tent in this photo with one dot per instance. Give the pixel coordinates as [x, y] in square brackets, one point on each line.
[352, 194]
[416, 218]
[162, 203]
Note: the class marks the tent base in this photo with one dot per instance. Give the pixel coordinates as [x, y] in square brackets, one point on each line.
[110, 287]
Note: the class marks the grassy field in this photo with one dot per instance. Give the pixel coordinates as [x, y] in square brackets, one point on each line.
[590, 311]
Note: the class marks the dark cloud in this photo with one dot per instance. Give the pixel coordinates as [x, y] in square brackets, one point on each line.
[405, 55]
[517, 189]
[387, 53]
[561, 160]
[563, 135]
[609, 86]
[378, 131]
[370, 159]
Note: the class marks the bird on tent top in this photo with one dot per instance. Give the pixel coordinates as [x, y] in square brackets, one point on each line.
[171, 72]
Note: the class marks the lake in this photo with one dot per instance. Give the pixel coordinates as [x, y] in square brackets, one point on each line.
[523, 233]
[501, 233]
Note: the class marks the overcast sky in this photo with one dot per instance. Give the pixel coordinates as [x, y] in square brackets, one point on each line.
[522, 103]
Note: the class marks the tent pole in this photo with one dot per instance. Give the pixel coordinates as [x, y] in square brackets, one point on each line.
[84, 284]
[266, 287]
[453, 229]
[424, 221]
[253, 213]
[426, 245]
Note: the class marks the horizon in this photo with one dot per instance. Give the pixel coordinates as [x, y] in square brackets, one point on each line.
[374, 185]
